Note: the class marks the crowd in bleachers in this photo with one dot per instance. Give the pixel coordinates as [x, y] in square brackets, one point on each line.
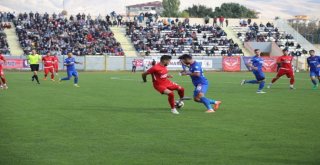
[175, 37]
[4, 47]
[79, 34]
[6, 16]
[249, 32]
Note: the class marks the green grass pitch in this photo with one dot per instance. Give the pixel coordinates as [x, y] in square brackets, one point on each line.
[115, 119]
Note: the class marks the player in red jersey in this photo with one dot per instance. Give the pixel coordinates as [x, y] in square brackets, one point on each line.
[48, 66]
[3, 83]
[55, 63]
[285, 62]
[162, 84]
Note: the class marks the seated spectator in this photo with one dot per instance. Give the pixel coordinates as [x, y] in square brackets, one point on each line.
[81, 36]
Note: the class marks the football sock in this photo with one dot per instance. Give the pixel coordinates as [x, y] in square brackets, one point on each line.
[171, 100]
[261, 85]
[45, 76]
[206, 103]
[66, 78]
[36, 77]
[274, 80]
[314, 82]
[181, 93]
[252, 82]
[52, 76]
[212, 101]
[3, 80]
[291, 80]
[76, 80]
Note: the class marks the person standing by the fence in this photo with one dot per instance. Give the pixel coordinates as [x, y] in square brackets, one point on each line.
[134, 66]
[34, 60]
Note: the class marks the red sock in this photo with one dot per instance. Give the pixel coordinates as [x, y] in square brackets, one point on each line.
[274, 80]
[171, 100]
[292, 81]
[52, 76]
[181, 92]
[3, 80]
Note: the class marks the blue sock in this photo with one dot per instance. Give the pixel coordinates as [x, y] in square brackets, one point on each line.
[314, 82]
[252, 81]
[261, 85]
[212, 101]
[206, 102]
[66, 78]
[76, 80]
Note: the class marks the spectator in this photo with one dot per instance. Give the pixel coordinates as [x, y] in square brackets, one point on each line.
[221, 20]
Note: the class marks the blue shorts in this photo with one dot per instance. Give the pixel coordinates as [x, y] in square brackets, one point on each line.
[315, 73]
[72, 73]
[259, 75]
[200, 88]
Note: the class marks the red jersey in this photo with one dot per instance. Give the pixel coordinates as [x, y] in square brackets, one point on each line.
[285, 62]
[2, 59]
[55, 60]
[159, 74]
[48, 61]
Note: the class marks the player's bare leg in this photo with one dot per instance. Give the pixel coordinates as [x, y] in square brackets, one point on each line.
[171, 100]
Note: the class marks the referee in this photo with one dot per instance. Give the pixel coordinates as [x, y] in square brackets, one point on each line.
[34, 59]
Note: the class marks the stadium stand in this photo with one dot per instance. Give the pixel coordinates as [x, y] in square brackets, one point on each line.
[177, 37]
[267, 33]
[81, 34]
[4, 47]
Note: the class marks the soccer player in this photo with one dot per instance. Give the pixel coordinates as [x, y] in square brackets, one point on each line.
[162, 84]
[48, 66]
[71, 70]
[199, 81]
[55, 63]
[285, 62]
[34, 59]
[3, 82]
[314, 65]
[256, 64]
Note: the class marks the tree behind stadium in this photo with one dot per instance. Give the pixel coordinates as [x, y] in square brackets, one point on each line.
[227, 10]
[171, 8]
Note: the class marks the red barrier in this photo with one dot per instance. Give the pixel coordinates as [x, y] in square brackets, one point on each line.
[14, 64]
[270, 64]
[231, 64]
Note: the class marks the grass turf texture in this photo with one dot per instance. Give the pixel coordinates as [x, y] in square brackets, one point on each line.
[122, 121]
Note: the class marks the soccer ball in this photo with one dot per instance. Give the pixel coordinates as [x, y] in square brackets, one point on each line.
[179, 104]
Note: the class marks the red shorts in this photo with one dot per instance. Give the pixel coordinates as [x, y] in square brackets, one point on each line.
[162, 87]
[288, 73]
[1, 72]
[47, 70]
